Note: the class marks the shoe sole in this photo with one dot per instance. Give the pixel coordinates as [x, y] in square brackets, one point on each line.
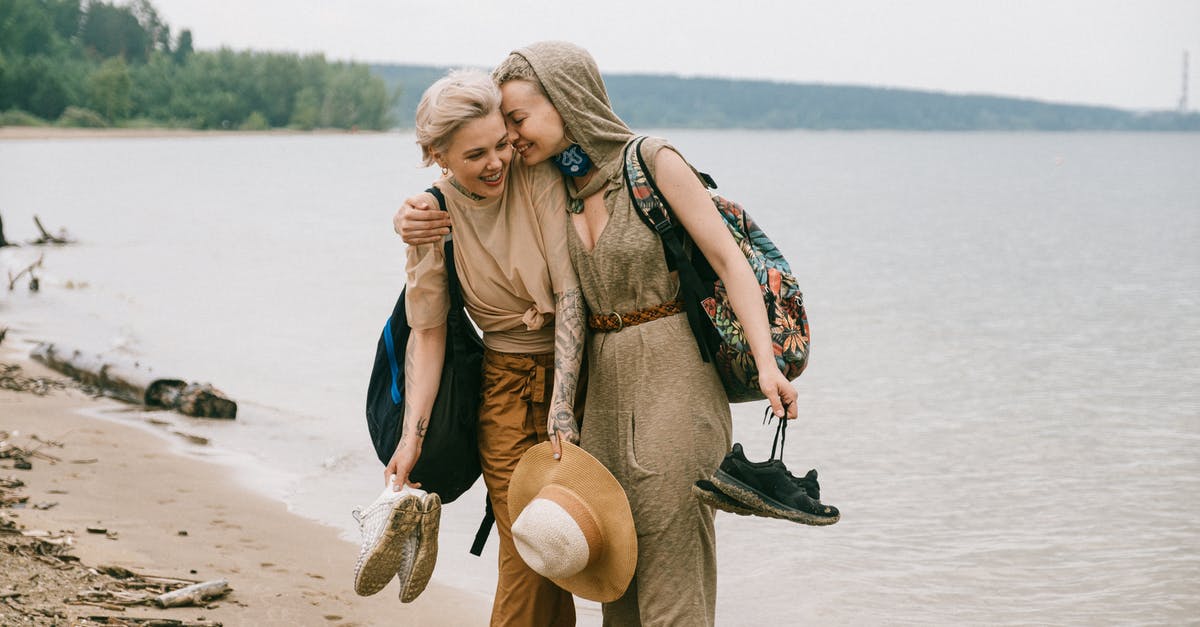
[754, 499]
[427, 550]
[386, 556]
[708, 494]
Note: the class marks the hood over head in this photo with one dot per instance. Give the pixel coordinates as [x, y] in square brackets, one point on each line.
[572, 81]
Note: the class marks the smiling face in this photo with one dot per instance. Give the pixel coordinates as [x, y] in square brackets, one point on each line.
[535, 127]
[478, 154]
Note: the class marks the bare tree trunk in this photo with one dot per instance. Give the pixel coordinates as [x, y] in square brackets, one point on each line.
[135, 383]
[3, 242]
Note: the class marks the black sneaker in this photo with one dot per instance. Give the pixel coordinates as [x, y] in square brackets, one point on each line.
[708, 494]
[771, 490]
[808, 482]
[768, 486]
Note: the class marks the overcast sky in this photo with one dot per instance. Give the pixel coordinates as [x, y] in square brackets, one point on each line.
[1126, 53]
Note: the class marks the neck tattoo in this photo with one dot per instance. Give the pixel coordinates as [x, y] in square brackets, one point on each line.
[464, 191]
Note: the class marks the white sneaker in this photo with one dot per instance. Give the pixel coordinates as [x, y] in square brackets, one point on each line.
[385, 525]
[420, 550]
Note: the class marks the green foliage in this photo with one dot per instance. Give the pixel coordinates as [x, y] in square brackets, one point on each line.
[117, 61]
[26, 28]
[255, 122]
[183, 47]
[110, 31]
[17, 117]
[78, 117]
[110, 89]
[40, 85]
[355, 99]
[306, 113]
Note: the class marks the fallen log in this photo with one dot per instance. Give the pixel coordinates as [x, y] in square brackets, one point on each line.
[193, 595]
[135, 383]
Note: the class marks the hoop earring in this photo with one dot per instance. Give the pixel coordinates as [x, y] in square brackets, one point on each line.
[445, 171]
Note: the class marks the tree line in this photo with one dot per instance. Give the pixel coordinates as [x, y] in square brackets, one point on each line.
[662, 101]
[96, 63]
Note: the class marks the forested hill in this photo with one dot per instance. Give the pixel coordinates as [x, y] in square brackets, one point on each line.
[662, 101]
[96, 63]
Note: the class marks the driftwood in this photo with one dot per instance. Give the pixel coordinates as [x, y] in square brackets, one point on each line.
[195, 594]
[33, 281]
[135, 383]
[47, 238]
[130, 621]
[12, 379]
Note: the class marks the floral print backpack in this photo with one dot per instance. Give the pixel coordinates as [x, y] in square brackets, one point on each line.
[717, 330]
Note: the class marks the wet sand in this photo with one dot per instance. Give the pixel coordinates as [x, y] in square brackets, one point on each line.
[121, 477]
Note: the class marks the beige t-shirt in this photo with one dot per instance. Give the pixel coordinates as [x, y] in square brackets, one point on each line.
[511, 256]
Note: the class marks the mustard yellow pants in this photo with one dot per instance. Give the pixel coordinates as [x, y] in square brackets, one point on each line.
[512, 418]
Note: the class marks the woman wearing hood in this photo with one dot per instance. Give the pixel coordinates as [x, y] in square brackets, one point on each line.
[657, 413]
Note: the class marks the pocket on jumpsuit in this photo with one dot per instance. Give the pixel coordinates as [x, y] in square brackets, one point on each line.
[659, 458]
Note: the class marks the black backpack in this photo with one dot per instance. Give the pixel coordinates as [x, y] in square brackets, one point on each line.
[449, 461]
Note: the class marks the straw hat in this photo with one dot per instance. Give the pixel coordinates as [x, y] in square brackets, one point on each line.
[572, 523]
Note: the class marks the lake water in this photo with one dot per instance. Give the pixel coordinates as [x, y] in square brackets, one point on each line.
[1003, 399]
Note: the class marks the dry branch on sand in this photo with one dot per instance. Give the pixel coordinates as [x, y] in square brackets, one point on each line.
[11, 378]
[47, 238]
[33, 280]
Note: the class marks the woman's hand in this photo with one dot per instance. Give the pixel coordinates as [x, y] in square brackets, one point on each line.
[420, 221]
[778, 390]
[402, 462]
[561, 426]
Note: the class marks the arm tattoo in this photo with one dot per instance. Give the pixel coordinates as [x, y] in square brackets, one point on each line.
[414, 425]
[568, 359]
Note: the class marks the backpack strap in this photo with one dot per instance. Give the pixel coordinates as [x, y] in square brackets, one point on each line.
[459, 344]
[485, 529]
[654, 210]
[452, 283]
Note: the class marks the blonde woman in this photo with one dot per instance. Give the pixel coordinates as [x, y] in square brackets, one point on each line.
[520, 290]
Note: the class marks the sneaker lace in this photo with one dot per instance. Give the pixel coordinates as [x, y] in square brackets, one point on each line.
[780, 431]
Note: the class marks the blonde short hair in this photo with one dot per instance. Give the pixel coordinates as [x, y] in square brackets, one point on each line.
[455, 99]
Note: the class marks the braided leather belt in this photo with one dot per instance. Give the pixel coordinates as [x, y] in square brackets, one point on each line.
[614, 321]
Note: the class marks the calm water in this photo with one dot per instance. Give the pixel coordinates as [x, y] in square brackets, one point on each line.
[1004, 397]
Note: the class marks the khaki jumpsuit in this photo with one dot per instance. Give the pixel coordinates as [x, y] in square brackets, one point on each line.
[657, 417]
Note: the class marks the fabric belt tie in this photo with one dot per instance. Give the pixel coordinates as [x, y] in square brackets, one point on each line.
[613, 321]
[535, 385]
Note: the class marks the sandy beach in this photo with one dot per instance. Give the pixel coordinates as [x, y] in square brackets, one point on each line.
[110, 483]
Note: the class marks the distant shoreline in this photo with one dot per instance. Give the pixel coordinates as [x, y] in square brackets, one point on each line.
[54, 132]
